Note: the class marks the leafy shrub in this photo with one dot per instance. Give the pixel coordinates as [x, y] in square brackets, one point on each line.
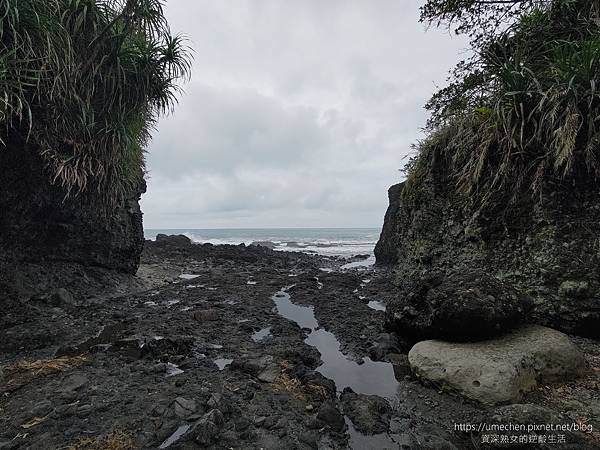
[525, 110]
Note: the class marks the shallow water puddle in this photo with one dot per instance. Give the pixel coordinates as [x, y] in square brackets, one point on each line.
[261, 334]
[173, 369]
[213, 346]
[376, 305]
[222, 362]
[369, 377]
[175, 436]
[194, 286]
[302, 315]
[188, 276]
[359, 441]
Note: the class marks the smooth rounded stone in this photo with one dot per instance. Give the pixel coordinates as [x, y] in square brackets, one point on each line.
[370, 414]
[461, 306]
[535, 415]
[499, 370]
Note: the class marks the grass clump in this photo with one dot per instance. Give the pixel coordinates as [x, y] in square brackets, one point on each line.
[42, 367]
[293, 386]
[24, 372]
[117, 440]
[82, 82]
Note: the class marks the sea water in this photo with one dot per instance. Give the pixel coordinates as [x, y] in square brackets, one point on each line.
[323, 241]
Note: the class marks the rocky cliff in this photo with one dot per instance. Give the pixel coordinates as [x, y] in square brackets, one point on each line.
[386, 250]
[548, 250]
[37, 223]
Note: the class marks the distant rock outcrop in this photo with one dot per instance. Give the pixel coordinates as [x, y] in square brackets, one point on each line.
[386, 250]
[38, 222]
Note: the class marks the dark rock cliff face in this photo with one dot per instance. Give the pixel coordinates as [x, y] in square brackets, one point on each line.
[37, 223]
[386, 250]
[549, 250]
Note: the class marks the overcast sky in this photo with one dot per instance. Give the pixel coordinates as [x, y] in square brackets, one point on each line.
[298, 114]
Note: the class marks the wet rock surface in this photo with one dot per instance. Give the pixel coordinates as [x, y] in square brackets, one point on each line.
[370, 414]
[128, 359]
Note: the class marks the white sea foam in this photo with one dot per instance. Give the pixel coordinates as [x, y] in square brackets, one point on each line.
[326, 241]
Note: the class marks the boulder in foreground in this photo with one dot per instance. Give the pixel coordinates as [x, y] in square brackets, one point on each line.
[461, 306]
[500, 370]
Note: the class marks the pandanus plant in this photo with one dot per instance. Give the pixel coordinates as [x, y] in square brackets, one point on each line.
[83, 82]
[524, 111]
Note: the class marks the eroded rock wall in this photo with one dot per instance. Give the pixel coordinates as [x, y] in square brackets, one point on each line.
[37, 223]
[549, 250]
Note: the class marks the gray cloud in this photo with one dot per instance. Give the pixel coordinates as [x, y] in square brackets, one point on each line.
[298, 113]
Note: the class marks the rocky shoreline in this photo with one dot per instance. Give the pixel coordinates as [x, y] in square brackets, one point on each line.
[241, 347]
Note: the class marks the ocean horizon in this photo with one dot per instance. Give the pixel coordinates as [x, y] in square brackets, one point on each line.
[323, 241]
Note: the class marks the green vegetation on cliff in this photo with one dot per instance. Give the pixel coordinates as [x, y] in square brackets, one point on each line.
[523, 112]
[83, 82]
